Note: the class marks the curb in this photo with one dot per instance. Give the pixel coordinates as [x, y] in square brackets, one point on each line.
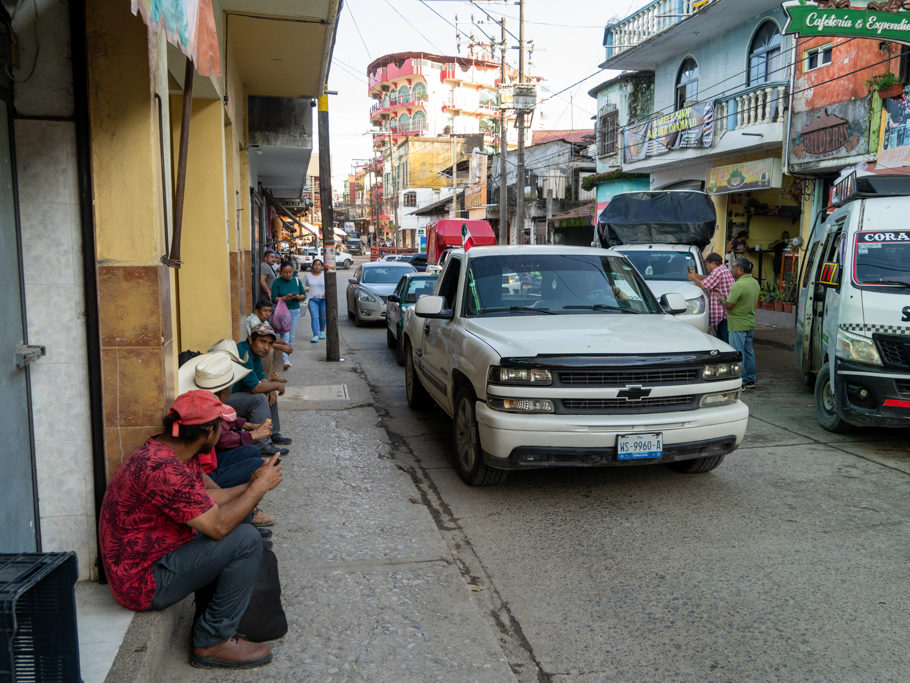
[145, 647]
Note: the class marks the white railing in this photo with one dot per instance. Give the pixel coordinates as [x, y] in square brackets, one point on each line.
[648, 22]
[765, 103]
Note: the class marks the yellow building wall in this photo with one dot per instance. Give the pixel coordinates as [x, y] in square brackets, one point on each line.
[426, 157]
[204, 280]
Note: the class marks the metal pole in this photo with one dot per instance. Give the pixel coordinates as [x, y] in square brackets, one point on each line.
[518, 230]
[503, 149]
[454, 179]
[328, 234]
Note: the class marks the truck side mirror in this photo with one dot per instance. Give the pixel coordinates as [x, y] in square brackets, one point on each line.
[830, 275]
[432, 307]
[673, 303]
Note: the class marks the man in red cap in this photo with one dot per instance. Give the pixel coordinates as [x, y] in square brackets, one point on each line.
[153, 508]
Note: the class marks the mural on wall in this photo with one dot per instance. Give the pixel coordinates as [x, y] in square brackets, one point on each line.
[687, 128]
[894, 134]
[838, 130]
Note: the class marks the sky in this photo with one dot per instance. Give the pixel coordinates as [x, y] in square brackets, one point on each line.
[567, 36]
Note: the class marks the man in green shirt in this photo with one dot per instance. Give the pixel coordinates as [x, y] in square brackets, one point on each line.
[741, 316]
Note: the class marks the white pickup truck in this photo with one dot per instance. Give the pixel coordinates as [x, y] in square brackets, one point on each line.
[582, 367]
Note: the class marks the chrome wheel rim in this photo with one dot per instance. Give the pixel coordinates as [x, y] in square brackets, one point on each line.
[465, 436]
[828, 398]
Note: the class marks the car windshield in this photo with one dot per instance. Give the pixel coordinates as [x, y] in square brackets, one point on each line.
[882, 258]
[384, 275]
[661, 265]
[555, 283]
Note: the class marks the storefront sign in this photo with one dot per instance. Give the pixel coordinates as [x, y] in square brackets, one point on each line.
[885, 20]
[688, 128]
[748, 175]
[838, 130]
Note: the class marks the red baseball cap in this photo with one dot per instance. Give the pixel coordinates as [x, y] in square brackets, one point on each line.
[197, 407]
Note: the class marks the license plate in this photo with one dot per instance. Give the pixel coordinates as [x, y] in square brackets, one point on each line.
[639, 446]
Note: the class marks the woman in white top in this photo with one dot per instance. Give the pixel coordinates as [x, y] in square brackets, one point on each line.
[314, 283]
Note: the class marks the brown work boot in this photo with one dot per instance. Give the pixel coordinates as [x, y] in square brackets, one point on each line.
[276, 378]
[233, 653]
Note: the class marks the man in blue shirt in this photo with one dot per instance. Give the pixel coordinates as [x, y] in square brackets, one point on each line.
[254, 397]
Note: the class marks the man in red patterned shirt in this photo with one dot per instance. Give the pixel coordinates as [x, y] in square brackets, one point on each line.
[166, 530]
[717, 284]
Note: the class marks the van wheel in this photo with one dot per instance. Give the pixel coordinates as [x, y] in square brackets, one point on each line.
[696, 465]
[418, 398]
[466, 441]
[824, 403]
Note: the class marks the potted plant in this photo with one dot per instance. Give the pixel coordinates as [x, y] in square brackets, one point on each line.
[789, 293]
[886, 85]
[771, 295]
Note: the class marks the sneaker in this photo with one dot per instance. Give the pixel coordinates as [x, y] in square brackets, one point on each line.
[281, 440]
[322, 335]
[269, 449]
[233, 653]
[262, 518]
[748, 385]
[264, 533]
[314, 340]
[287, 364]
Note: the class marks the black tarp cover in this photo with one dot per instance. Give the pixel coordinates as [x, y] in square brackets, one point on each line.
[669, 217]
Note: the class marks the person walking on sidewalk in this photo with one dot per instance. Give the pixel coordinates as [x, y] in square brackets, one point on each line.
[267, 273]
[314, 284]
[717, 284]
[166, 530]
[288, 287]
[741, 316]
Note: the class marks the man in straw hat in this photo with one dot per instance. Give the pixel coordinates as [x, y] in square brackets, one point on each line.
[166, 531]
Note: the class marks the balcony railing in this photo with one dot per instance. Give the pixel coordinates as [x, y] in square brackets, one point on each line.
[390, 72]
[648, 22]
[765, 103]
[380, 107]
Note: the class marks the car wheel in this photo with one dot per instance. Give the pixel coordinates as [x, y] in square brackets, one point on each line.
[389, 339]
[399, 351]
[418, 398]
[357, 320]
[824, 403]
[348, 263]
[466, 442]
[696, 465]
[350, 313]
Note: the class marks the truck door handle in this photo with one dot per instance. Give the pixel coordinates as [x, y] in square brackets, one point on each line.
[426, 329]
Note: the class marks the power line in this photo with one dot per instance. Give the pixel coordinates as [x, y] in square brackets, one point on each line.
[365, 48]
[408, 22]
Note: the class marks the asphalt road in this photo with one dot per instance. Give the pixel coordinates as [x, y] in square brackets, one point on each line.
[788, 562]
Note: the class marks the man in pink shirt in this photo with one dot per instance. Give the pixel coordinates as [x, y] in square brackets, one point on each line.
[717, 284]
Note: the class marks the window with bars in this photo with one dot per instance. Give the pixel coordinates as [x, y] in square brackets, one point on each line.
[608, 130]
[409, 199]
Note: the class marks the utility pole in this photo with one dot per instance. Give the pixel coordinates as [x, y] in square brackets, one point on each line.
[503, 149]
[454, 178]
[328, 232]
[518, 230]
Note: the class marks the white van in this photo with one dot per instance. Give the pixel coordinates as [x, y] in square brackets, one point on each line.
[853, 318]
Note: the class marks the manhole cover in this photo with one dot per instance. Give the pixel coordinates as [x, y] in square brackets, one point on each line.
[327, 392]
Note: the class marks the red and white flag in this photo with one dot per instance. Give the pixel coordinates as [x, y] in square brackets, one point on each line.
[466, 240]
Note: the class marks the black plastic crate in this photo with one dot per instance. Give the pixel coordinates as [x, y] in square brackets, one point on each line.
[38, 636]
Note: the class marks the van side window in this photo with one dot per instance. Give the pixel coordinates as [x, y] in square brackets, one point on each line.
[449, 285]
[807, 269]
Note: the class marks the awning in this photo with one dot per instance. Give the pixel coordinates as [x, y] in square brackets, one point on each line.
[436, 207]
[188, 25]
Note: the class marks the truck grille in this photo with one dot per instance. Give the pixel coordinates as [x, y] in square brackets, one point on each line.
[894, 350]
[608, 378]
[660, 404]
[903, 388]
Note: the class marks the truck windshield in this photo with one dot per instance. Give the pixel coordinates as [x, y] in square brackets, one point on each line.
[882, 258]
[661, 265]
[555, 283]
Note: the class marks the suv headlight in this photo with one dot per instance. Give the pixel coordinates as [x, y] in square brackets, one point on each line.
[695, 306]
[522, 405]
[723, 399]
[856, 347]
[535, 376]
[368, 298]
[722, 371]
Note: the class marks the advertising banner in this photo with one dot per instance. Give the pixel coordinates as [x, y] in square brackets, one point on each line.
[748, 175]
[886, 20]
[687, 128]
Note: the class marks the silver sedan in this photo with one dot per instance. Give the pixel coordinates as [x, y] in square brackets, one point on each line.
[369, 289]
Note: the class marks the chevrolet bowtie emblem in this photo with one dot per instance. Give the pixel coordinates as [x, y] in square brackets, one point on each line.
[635, 393]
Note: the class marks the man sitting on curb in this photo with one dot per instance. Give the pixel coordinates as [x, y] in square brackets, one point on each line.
[153, 508]
[253, 397]
[262, 314]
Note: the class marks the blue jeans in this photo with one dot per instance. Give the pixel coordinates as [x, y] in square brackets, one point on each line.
[317, 315]
[288, 337]
[742, 342]
[236, 466]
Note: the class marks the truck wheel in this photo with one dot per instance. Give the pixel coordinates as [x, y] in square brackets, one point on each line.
[696, 465]
[418, 398]
[824, 403]
[399, 351]
[348, 263]
[389, 339]
[466, 441]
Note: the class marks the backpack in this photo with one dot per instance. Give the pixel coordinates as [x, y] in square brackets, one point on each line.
[264, 618]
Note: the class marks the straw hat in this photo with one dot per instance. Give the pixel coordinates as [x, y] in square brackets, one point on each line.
[229, 346]
[211, 371]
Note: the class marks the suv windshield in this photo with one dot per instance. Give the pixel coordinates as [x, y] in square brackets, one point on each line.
[555, 283]
[661, 265]
[882, 258]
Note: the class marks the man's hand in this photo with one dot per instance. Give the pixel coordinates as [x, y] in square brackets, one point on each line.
[262, 431]
[267, 477]
[273, 396]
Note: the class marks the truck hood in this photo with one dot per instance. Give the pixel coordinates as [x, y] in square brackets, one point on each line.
[598, 333]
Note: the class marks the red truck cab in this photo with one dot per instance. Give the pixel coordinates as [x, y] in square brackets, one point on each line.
[446, 234]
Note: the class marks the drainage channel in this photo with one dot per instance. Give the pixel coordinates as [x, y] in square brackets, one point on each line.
[486, 596]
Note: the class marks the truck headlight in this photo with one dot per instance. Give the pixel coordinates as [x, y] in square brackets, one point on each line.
[695, 306]
[722, 371]
[367, 298]
[856, 347]
[536, 376]
[522, 405]
[724, 398]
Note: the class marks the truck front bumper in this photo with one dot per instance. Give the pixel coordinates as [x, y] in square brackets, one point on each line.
[527, 441]
[866, 396]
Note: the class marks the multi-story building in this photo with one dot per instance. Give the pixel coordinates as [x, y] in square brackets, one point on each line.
[721, 93]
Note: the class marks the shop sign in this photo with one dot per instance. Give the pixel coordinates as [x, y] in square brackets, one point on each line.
[839, 130]
[687, 128]
[885, 20]
[748, 175]
[894, 133]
